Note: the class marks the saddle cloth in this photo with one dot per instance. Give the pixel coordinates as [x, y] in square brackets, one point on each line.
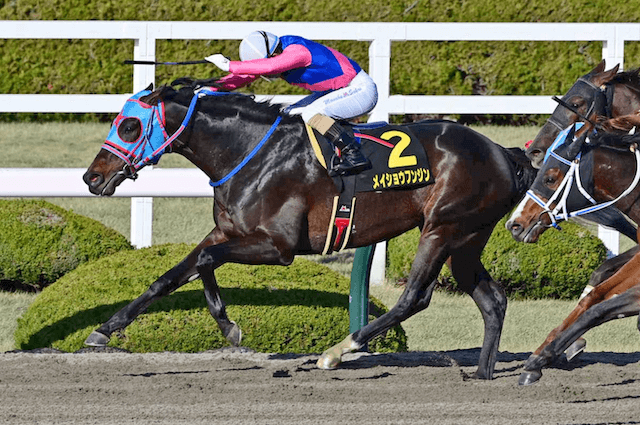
[398, 160]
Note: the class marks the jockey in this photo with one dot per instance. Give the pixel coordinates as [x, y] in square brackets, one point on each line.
[340, 88]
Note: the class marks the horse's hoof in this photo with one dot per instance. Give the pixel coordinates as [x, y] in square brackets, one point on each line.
[576, 349]
[332, 357]
[96, 339]
[327, 361]
[234, 334]
[529, 377]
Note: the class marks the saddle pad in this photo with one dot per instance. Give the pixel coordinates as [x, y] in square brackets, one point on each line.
[398, 158]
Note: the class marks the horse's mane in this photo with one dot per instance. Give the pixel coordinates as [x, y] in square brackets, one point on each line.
[182, 91]
[629, 78]
[614, 132]
[525, 173]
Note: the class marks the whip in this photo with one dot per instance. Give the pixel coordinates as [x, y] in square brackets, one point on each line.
[134, 62]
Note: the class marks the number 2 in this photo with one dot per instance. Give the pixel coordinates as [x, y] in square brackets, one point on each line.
[396, 159]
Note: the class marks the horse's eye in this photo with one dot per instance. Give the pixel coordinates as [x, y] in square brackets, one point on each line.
[129, 129]
[549, 181]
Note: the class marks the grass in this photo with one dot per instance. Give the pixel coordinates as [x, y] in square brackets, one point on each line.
[12, 305]
[454, 322]
[190, 219]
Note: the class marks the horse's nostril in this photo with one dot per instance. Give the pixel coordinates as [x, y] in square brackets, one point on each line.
[93, 179]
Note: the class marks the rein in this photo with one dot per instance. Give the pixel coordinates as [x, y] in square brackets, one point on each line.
[560, 212]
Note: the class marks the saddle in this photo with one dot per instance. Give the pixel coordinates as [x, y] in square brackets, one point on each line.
[398, 160]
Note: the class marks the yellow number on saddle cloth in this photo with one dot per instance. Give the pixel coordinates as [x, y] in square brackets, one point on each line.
[396, 159]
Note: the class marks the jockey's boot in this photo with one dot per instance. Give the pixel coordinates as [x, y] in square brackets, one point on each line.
[351, 159]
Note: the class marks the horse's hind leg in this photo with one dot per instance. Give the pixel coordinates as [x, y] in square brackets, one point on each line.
[416, 297]
[488, 295]
[182, 273]
[617, 307]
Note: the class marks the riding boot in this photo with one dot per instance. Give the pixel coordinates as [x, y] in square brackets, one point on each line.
[351, 159]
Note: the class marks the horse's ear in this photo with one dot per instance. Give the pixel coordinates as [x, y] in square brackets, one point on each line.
[150, 87]
[576, 145]
[606, 76]
[599, 67]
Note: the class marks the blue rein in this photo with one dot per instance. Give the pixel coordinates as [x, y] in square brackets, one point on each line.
[250, 156]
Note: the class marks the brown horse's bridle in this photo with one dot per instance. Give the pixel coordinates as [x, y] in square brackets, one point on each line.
[601, 104]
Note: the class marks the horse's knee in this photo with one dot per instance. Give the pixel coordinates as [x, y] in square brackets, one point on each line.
[205, 260]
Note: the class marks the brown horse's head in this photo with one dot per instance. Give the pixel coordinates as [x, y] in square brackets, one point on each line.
[587, 97]
[548, 199]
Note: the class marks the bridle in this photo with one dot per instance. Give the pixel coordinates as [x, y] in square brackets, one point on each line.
[155, 141]
[601, 104]
[561, 211]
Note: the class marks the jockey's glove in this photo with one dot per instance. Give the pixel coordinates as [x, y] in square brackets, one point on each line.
[219, 60]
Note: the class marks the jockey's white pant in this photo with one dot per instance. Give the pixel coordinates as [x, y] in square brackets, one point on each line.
[358, 98]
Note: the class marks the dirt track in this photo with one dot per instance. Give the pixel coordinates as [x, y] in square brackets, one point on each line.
[242, 387]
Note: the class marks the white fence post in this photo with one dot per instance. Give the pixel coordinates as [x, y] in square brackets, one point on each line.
[380, 71]
[143, 75]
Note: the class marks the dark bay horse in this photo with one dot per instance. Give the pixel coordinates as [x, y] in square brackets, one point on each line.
[607, 169]
[278, 204]
[598, 93]
[609, 94]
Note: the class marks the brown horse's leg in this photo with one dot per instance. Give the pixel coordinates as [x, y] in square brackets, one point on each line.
[173, 279]
[488, 295]
[616, 307]
[627, 277]
[431, 255]
[252, 249]
[602, 273]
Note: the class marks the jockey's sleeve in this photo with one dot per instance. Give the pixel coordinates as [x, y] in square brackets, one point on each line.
[294, 56]
[231, 82]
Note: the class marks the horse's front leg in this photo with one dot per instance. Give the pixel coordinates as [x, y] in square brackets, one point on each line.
[602, 273]
[619, 306]
[431, 255]
[622, 281]
[173, 279]
[253, 249]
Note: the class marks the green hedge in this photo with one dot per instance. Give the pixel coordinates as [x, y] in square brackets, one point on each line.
[302, 308]
[418, 67]
[40, 242]
[557, 266]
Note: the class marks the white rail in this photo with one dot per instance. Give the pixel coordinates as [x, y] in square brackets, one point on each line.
[379, 35]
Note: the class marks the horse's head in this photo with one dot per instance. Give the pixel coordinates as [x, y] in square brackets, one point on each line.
[137, 138]
[587, 97]
[546, 201]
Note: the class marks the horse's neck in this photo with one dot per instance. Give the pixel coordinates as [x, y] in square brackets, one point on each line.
[216, 146]
[614, 172]
[626, 99]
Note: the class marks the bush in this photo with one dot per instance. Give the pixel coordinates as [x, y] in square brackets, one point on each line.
[558, 266]
[302, 308]
[40, 242]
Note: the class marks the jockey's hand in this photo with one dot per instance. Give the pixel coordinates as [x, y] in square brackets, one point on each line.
[219, 60]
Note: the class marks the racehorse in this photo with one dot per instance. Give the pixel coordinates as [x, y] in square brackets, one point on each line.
[578, 177]
[603, 93]
[274, 201]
